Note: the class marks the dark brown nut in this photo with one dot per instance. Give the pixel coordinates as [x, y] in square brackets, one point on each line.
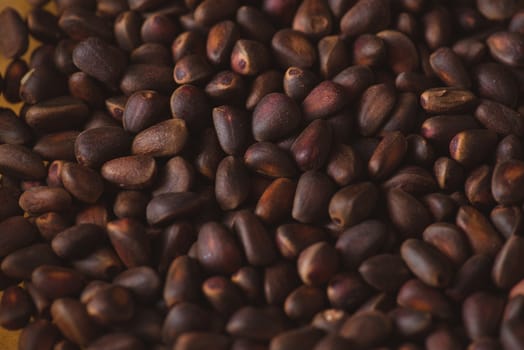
[506, 268]
[39, 334]
[449, 240]
[147, 76]
[223, 295]
[15, 308]
[366, 16]
[143, 109]
[346, 291]
[111, 305]
[41, 83]
[249, 57]
[317, 263]
[312, 196]
[159, 28]
[427, 263]
[324, 100]
[209, 12]
[115, 106]
[496, 82]
[77, 241]
[186, 317]
[361, 242]
[447, 100]
[413, 82]
[57, 282]
[16, 43]
[388, 155]
[329, 319]
[127, 30]
[100, 60]
[117, 341]
[436, 31]
[20, 162]
[448, 173]
[499, 118]
[274, 117]
[404, 114]
[265, 84]
[482, 313]
[183, 281]
[43, 25]
[177, 175]
[511, 334]
[407, 213]
[333, 342]
[369, 50]
[402, 55]
[292, 48]
[256, 323]
[172, 205]
[151, 53]
[443, 338]
[299, 82]
[128, 238]
[202, 340]
[164, 139]
[81, 182]
[255, 24]
[279, 281]
[510, 147]
[72, 320]
[21, 263]
[419, 296]
[473, 274]
[14, 73]
[441, 129]
[276, 203]
[449, 68]
[130, 204]
[497, 11]
[507, 48]
[268, 159]
[192, 69]
[411, 323]
[292, 239]
[367, 329]
[232, 128]
[250, 281]
[506, 182]
[232, 183]
[61, 113]
[102, 264]
[344, 165]
[313, 18]
[217, 250]
[481, 235]
[191, 104]
[172, 242]
[311, 147]
[353, 204]
[259, 248]
[470, 50]
[507, 220]
[420, 151]
[50, 224]
[60, 145]
[226, 87]
[81, 23]
[385, 272]
[304, 338]
[188, 43]
[42, 199]
[12, 129]
[304, 302]
[63, 56]
[131, 172]
[17, 233]
[372, 115]
[472, 147]
[144, 5]
[93, 147]
[220, 41]
[333, 56]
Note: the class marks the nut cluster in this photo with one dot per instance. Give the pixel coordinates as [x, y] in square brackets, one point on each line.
[263, 175]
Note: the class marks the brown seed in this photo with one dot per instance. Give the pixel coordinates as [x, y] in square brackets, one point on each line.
[367, 329]
[223, 295]
[449, 68]
[250, 281]
[511, 334]
[506, 268]
[77, 241]
[35, 85]
[380, 165]
[292, 48]
[202, 340]
[60, 145]
[80, 23]
[510, 147]
[226, 87]
[130, 204]
[61, 113]
[21, 162]
[41, 199]
[164, 139]
[276, 202]
[14, 73]
[182, 282]
[304, 302]
[158, 28]
[57, 282]
[470, 50]
[407, 213]
[346, 291]
[385, 272]
[372, 115]
[151, 53]
[333, 342]
[111, 305]
[217, 250]
[72, 320]
[268, 159]
[264, 84]
[419, 296]
[411, 323]
[231, 183]
[117, 341]
[448, 173]
[209, 12]
[473, 274]
[256, 323]
[249, 57]
[402, 56]
[82, 182]
[360, 242]
[352, 204]
[147, 76]
[312, 196]
[324, 100]
[507, 48]
[102, 263]
[131, 172]
[317, 263]
[427, 263]
[497, 11]
[441, 129]
[256, 241]
[191, 69]
[231, 126]
[280, 280]
[447, 100]
[364, 17]
[220, 40]
[17, 233]
[143, 109]
[130, 242]
[12, 129]
[471, 147]
[481, 235]
[443, 338]
[275, 117]
[449, 240]
[15, 44]
[255, 24]
[304, 338]
[177, 175]
[292, 239]
[168, 206]
[299, 82]
[507, 220]
[499, 118]
[343, 165]
[496, 82]
[313, 18]
[40, 334]
[191, 104]
[481, 313]
[186, 317]
[311, 147]
[15, 308]
[127, 30]
[506, 182]
[413, 180]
